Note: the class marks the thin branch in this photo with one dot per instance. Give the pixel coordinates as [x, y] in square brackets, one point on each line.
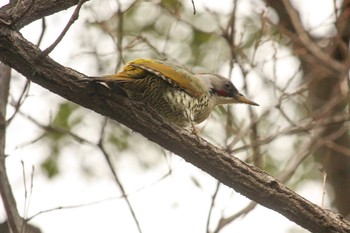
[49, 127]
[305, 150]
[20, 101]
[43, 30]
[95, 202]
[303, 126]
[225, 221]
[284, 176]
[27, 195]
[337, 148]
[14, 219]
[116, 178]
[73, 18]
[194, 7]
[71, 207]
[309, 44]
[212, 205]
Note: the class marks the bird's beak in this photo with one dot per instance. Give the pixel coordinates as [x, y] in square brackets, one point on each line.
[241, 99]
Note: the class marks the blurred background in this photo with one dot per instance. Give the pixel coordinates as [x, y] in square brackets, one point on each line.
[291, 57]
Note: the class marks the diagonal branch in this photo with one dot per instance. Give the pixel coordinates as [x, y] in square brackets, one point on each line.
[33, 10]
[248, 180]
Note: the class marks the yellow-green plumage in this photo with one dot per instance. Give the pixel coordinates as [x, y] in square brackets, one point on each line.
[179, 96]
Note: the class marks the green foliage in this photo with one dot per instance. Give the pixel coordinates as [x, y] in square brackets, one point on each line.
[173, 6]
[119, 137]
[56, 136]
[50, 166]
[63, 118]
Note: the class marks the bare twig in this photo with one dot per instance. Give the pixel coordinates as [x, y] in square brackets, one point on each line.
[93, 202]
[9, 202]
[304, 126]
[72, 207]
[212, 205]
[20, 101]
[43, 30]
[194, 7]
[49, 127]
[73, 18]
[116, 178]
[27, 195]
[309, 44]
[225, 221]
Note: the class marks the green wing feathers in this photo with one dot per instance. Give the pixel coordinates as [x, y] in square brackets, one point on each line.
[141, 68]
[172, 74]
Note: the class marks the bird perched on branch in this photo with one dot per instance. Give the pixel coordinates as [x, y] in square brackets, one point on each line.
[180, 96]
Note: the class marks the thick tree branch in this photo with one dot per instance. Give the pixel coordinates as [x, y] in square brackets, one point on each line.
[245, 179]
[20, 15]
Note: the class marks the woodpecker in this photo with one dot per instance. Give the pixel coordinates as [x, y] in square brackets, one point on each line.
[178, 95]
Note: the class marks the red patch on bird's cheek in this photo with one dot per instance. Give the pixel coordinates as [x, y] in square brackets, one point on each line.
[222, 93]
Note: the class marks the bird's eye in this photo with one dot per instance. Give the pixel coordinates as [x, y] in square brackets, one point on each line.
[228, 85]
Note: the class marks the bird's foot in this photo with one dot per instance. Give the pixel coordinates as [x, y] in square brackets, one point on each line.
[195, 130]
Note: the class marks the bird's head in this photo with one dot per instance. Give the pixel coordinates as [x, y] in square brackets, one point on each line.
[223, 90]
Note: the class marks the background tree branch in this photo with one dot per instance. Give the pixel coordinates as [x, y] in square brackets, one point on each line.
[328, 91]
[15, 222]
[250, 181]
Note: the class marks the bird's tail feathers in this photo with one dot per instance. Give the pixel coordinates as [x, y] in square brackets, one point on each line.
[116, 78]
